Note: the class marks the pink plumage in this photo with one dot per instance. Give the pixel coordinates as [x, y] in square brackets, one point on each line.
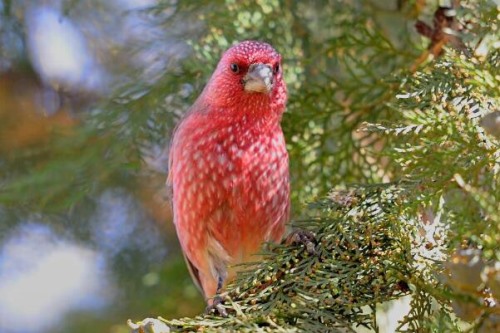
[229, 165]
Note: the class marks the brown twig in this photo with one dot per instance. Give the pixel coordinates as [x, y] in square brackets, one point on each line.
[445, 30]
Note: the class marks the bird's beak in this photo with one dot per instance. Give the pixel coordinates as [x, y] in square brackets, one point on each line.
[259, 79]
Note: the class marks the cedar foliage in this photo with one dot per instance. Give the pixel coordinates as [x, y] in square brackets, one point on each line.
[386, 132]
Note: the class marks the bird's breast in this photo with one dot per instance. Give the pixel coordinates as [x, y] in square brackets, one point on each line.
[255, 178]
[235, 183]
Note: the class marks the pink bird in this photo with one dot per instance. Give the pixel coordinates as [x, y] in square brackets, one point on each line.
[229, 166]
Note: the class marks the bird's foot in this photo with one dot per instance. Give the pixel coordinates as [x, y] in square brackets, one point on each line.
[302, 237]
[216, 307]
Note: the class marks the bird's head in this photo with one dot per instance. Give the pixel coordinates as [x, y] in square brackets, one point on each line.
[249, 76]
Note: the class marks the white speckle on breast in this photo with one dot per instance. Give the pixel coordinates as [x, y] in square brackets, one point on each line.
[222, 158]
[201, 164]
[211, 164]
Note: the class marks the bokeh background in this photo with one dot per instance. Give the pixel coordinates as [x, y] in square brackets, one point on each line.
[86, 239]
[89, 94]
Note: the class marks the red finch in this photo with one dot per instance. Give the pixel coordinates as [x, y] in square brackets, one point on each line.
[229, 166]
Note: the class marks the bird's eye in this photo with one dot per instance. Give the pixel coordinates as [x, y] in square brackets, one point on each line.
[276, 68]
[235, 68]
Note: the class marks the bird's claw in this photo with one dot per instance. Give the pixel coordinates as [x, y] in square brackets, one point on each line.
[216, 307]
[302, 237]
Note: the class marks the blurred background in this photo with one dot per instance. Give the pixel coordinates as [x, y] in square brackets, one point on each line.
[86, 239]
[89, 94]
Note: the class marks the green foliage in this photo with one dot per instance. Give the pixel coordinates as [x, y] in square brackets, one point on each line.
[337, 287]
[441, 112]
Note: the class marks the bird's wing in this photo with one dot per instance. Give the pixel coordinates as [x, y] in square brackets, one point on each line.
[170, 175]
[194, 272]
[182, 139]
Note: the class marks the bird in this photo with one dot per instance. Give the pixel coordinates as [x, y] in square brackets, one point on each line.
[229, 166]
